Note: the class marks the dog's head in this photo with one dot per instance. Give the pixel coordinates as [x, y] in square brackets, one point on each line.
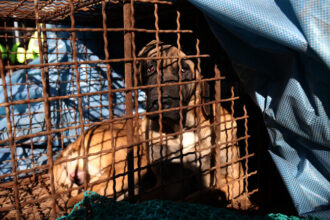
[169, 73]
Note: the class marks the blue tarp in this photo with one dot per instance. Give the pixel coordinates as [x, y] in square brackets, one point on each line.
[285, 46]
[26, 84]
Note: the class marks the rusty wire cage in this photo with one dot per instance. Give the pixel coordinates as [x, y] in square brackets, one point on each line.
[76, 68]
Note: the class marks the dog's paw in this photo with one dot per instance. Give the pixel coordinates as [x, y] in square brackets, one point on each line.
[213, 197]
[74, 200]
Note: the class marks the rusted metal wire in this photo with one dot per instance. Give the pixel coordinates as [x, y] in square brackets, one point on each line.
[52, 11]
[49, 11]
[109, 71]
[217, 127]
[129, 97]
[45, 90]
[178, 44]
[132, 29]
[150, 139]
[138, 128]
[118, 119]
[159, 91]
[77, 77]
[37, 66]
[28, 95]
[69, 12]
[246, 143]
[232, 132]
[11, 141]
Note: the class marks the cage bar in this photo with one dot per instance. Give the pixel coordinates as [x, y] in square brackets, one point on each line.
[85, 87]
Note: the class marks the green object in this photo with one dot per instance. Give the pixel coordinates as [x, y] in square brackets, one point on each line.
[21, 54]
[3, 52]
[33, 47]
[13, 54]
[94, 206]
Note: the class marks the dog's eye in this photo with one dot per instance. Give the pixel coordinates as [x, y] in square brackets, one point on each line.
[184, 70]
[184, 67]
[151, 69]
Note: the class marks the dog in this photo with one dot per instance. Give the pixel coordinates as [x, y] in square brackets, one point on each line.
[178, 145]
[106, 169]
[182, 142]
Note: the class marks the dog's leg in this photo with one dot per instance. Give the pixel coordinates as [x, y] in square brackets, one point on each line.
[232, 183]
[104, 188]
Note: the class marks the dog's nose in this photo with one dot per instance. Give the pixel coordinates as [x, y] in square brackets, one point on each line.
[154, 106]
[166, 102]
[166, 106]
[77, 177]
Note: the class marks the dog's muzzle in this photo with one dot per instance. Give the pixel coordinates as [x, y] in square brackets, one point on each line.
[167, 103]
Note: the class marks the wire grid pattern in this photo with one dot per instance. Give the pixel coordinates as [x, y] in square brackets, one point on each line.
[72, 86]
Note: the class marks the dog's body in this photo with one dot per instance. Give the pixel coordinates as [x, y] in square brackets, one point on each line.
[107, 150]
[188, 140]
[178, 144]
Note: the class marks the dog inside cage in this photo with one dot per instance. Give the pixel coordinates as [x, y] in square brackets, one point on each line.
[131, 100]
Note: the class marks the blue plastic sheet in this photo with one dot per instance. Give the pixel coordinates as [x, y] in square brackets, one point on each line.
[284, 46]
[26, 84]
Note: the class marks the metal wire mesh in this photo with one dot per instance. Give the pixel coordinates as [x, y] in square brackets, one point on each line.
[84, 72]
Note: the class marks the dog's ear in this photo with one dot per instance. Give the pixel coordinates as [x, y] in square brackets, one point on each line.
[206, 98]
[139, 70]
[144, 53]
[151, 45]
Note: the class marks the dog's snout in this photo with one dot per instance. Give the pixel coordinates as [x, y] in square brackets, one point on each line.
[166, 102]
[153, 106]
[166, 106]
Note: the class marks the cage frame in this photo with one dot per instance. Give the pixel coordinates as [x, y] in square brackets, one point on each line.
[68, 11]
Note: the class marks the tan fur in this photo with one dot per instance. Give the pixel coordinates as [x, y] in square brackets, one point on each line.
[99, 166]
[196, 145]
[197, 141]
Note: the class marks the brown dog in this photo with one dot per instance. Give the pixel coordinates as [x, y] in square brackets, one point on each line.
[188, 153]
[179, 145]
[106, 147]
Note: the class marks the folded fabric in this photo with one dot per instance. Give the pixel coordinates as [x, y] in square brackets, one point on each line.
[282, 50]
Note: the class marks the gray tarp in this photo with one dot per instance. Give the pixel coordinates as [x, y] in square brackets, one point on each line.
[285, 45]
